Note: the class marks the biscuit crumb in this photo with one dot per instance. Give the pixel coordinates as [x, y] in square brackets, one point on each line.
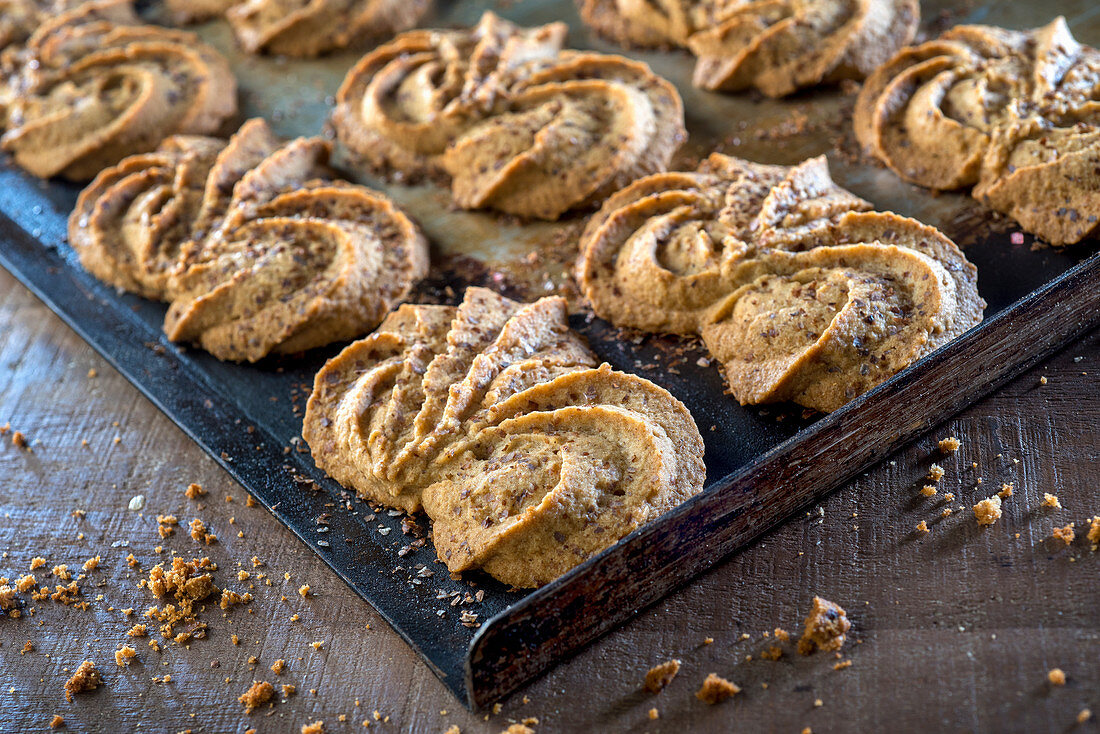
[58, 721]
[257, 695]
[842, 665]
[1043, 380]
[949, 445]
[935, 472]
[303, 590]
[37, 562]
[194, 491]
[928, 490]
[25, 583]
[316, 727]
[1049, 500]
[198, 532]
[1084, 716]
[661, 675]
[654, 714]
[138, 630]
[86, 678]
[946, 512]
[1057, 677]
[826, 626]
[518, 729]
[278, 666]
[92, 563]
[781, 634]
[772, 653]
[19, 440]
[988, 511]
[453, 729]
[1006, 491]
[124, 655]
[716, 689]
[1064, 534]
[1094, 532]
[28, 646]
[818, 703]
[922, 527]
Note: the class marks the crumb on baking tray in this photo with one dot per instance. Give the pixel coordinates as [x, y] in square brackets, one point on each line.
[1064, 534]
[259, 693]
[1057, 677]
[86, 678]
[826, 626]
[716, 689]
[1050, 500]
[988, 511]
[949, 445]
[661, 675]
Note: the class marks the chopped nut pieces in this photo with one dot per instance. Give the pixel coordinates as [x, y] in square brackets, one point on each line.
[1064, 534]
[1050, 500]
[124, 655]
[86, 678]
[1057, 677]
[716, 689]
[988, 511]
[661, 675]
[826, 626]
[949, 445]
[935, 472]
[257, 695]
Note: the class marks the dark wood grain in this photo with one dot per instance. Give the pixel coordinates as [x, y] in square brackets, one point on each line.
[953, 631]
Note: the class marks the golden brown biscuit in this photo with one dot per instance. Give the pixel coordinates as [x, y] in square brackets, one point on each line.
[775, 46]
[514, 122]
[256, 250]
[1010, 113]
[20, 18]
[92, 86]
[304, 27]
[795, 287]
[494, 419]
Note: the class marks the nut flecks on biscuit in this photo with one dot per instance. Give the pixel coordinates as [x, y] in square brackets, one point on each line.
[494, 419]
[92, 86]
[516, 123]
[255, 248]
[800, 291]
[775, 46]
[304, 28]
[1009, 113]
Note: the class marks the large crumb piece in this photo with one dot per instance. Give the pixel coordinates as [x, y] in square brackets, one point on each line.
[949, 445]
[1050, 500]
[86, 678]
[124, 655]
[1094, 532]
[716, 689]
[988, 511]
[661, 675]
[194, 491]
[826, 626]
[188, 582]
[7, 597]
[1064, 534]
[935, 472]
[316, 727]
[1057, 677]
[928, 490]
[257, 695]
[1006, 491]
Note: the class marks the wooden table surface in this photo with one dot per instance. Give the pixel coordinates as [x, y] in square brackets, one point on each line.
[952, 631]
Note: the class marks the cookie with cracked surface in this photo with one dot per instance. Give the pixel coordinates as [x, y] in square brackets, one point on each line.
[794, 285]
[253, 244]
[494, 419]
[93, 85]
[514, 122]
[1009, 114]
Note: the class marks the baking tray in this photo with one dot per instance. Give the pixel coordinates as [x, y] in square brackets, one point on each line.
[763, 463]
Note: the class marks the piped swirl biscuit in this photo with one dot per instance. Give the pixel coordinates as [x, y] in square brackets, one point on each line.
[494, 419]
[514, 122]
[800, 291]
[775, 46]
[92, 86]
[1013, 114]
[304, 28]
[255, 248]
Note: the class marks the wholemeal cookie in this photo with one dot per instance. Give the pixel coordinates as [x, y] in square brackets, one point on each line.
[20, 18]
[494, 419]
[1010, 113]
[92, 85]
[775, 46]
[800, 291]
[304, 28]
[513, 121]
[253, 245]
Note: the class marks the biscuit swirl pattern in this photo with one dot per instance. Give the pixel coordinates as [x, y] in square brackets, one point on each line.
[253, 245]
[795, 287]
[775, 46]
[494, 419]
[514, 122]
[92, 86]
[1014, 115]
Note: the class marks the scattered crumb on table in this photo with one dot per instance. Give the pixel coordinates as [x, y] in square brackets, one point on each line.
[826, 625]
[1050, 500]
[928, 490]
[259, 693]
[988, 511]
[935, 472]
[661, 675]
[86, 678]
[922, 527]
[1006, 491]
[1057, 677]
[949, 445]
[654, 714]
[1064, 534]
[716, 689]
[124, 655]
[316, 727]
[58, 721]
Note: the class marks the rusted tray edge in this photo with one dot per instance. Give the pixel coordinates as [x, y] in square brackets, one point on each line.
[601, 594]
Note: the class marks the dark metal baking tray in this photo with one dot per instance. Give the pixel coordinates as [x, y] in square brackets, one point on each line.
[763, 463]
